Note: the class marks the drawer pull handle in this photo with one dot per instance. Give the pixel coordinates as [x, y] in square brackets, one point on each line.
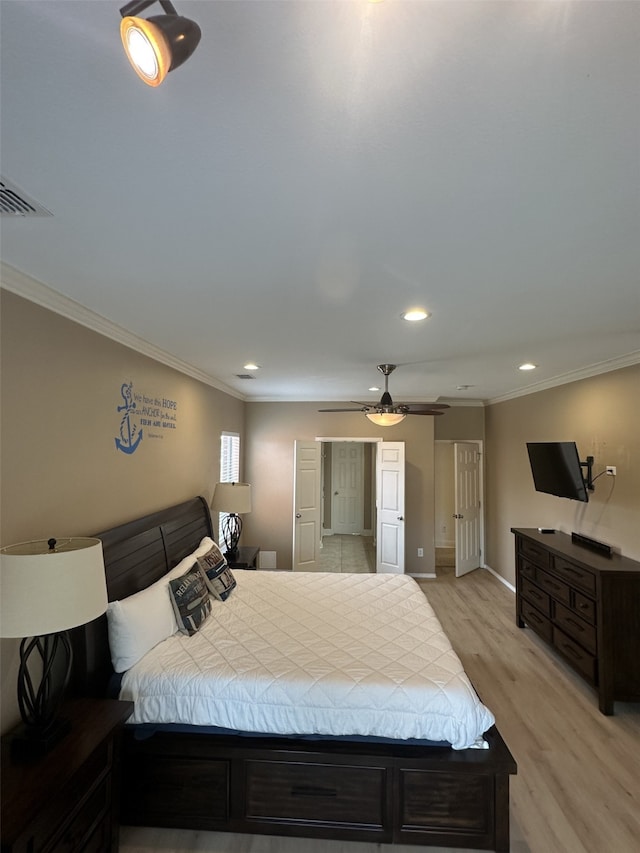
[312, 791]
[571, 571]
[571, 651]
[583, 606]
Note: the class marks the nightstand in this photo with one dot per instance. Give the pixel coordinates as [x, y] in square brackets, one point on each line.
[247, 558]
[67, 800]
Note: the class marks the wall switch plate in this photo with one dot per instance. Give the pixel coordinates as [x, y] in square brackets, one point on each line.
[611, 470]
[420, 552]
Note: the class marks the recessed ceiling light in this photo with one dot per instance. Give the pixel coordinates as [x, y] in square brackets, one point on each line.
[251, 366]
[463, 387]
[374, 388]
[527, 366]
[415, 314]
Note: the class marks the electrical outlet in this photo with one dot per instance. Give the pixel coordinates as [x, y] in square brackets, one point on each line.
[420, 552]
[611, 470]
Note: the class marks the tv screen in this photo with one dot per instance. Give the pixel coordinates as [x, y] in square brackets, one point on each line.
[556, 470]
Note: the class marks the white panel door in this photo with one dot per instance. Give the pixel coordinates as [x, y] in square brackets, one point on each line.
[347, 487]
[467, 507]
[306, 506]
[390, 505]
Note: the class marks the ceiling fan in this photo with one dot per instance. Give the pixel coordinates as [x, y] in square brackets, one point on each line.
[386, 412]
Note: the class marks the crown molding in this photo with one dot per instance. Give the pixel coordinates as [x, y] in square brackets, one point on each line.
[35, 291]
[622, 361]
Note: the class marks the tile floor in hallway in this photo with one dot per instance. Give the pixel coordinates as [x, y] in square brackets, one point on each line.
[347, 553]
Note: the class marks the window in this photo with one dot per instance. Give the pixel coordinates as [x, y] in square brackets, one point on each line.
[229, 466]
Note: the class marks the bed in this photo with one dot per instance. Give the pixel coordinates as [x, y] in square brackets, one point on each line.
[339, 774]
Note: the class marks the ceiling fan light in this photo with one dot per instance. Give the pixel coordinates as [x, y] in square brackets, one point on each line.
[385, 418]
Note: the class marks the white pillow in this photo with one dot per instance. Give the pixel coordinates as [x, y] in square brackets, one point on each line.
[204, 546]
[138, 623]
[188, 561]
[141, 621]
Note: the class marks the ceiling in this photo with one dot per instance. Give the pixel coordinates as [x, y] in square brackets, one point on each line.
[317, 168]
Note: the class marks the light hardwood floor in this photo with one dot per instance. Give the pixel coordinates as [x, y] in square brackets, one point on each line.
[578, 783]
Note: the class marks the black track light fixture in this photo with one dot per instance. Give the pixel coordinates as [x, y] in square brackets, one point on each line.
[156, 45]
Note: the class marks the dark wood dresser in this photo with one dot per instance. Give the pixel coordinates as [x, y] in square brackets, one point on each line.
[67, 801]
[586, 606]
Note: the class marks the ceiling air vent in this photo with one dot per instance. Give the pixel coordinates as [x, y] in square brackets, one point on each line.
[244, 376]
[13, 202]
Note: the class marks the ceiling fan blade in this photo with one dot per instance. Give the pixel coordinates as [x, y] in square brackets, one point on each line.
[427, 412]
[366, 409]
[417, 407]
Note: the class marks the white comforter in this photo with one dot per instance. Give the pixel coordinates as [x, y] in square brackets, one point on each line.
[314, 653]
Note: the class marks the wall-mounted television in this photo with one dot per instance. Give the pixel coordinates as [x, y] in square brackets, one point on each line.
[557, 469]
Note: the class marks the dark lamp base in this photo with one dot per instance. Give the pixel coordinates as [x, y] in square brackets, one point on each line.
[30, 742]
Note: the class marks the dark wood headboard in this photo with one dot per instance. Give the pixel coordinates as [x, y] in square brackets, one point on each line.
[136, 554]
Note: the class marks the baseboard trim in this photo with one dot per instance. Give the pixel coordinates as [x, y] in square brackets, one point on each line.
[500, 578]
[430, 575]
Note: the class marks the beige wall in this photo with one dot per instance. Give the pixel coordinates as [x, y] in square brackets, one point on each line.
[460, 423]
[602, 415]
[61, 473]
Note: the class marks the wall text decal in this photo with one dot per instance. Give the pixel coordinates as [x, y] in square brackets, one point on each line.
[142, 412]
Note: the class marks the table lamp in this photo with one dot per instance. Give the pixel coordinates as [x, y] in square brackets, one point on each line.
[231, 498]
[46, 588]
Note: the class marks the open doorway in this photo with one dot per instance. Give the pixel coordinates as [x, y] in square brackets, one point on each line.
[459, 510]
[388, 517]
[348, 507]
[444, 485]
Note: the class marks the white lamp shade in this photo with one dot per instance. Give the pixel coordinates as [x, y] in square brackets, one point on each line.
[44, 591]
[232, 498]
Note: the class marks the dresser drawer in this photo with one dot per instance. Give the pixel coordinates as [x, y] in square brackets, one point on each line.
[576, 628]
[575, 654]
[41, 832]
[322, 793]
[443, 802]
[575, 575]
[527, 569]
[536, 597]
[556, 589]
[167, 786]
[535, 620]
[585, 607]
[535, 552]
[85, 820]
[100, 840]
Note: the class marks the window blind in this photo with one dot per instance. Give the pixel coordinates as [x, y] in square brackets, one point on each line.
[229, 467]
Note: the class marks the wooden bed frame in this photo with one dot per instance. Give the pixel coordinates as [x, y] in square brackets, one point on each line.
[285, 786]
